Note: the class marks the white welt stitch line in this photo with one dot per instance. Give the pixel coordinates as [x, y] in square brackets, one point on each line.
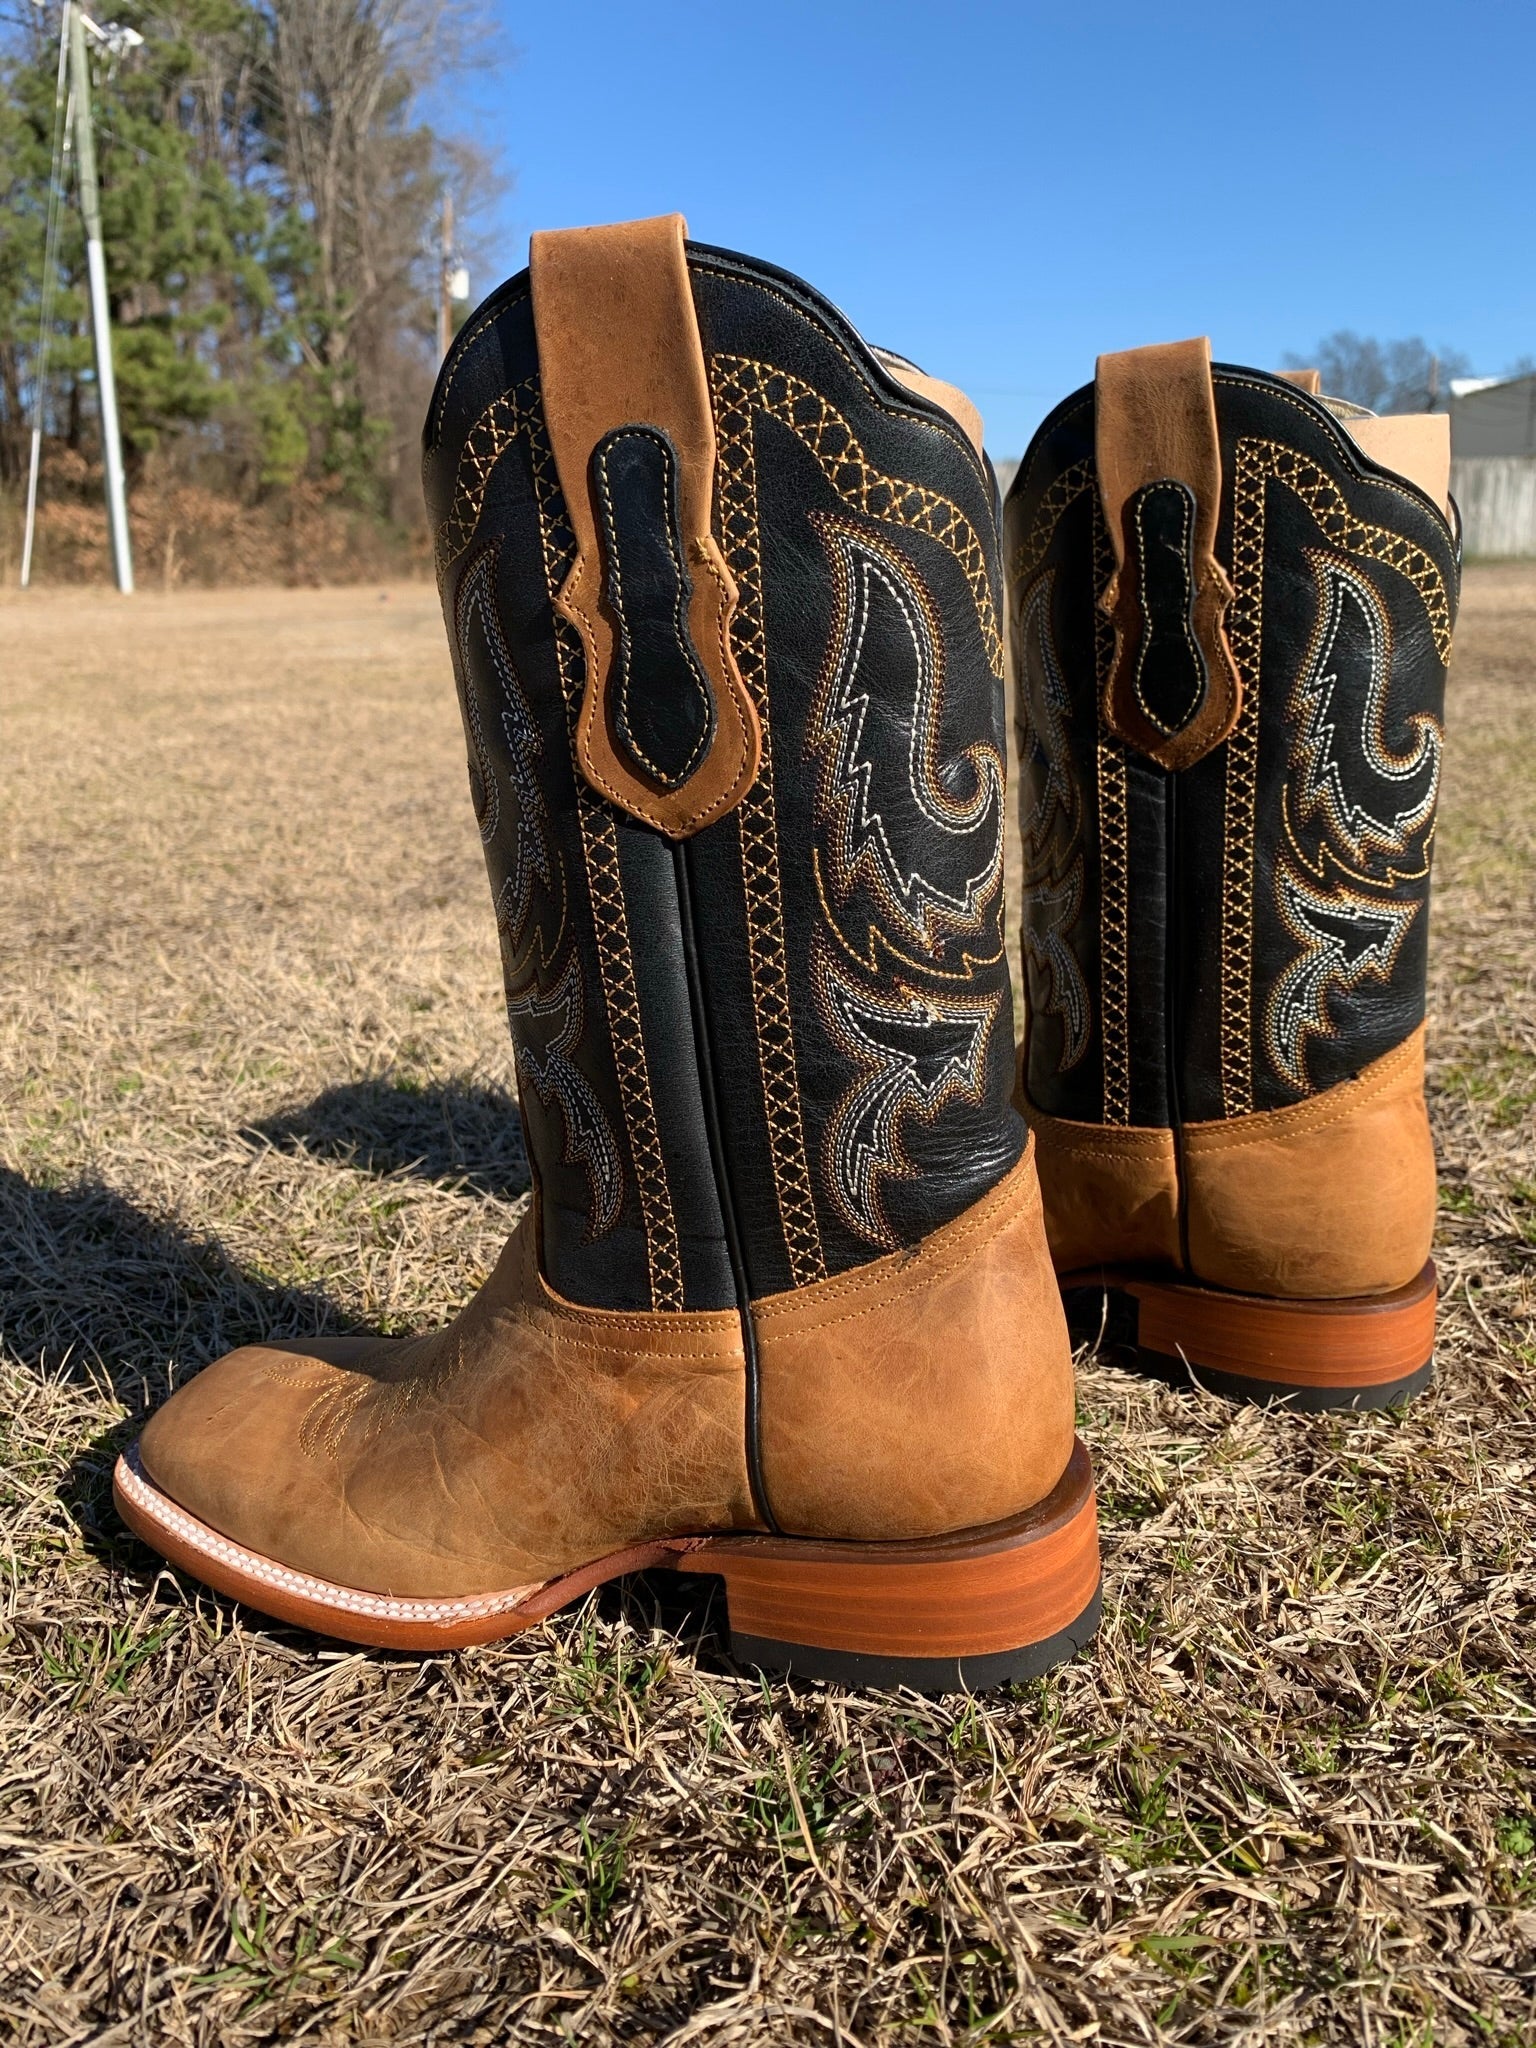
[151, 1502]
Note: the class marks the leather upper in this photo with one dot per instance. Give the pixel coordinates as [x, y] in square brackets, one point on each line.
[1239, 934]
[774, 1049]
[533, 1435]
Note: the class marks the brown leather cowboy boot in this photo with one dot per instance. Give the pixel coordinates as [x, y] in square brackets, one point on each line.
[1232, 609]
[721, 587]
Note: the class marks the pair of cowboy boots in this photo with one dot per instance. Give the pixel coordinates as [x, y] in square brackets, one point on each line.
[723, 592]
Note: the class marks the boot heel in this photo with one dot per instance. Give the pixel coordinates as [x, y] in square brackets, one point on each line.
[956, 1613]
[1375, 1351]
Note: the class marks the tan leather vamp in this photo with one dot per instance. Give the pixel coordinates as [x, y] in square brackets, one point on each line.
[1111, 1192]
[619, 345]
[528, 1437]
[1155, 421]
[929, 1391]
[1333, 1196]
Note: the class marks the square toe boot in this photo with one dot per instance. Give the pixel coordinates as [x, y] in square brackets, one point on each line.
[1232, 604]
[722, 591]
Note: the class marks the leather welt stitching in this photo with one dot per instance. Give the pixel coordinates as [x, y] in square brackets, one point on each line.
[1221, 1137]
[920, 1283]
[564, 1318]
[915, 1274]
[567, 1337]
[1158, 1143]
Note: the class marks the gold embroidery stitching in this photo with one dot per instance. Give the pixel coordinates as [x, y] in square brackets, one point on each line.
[743, 385]
[1059, 493]
[1244, 633]
[1114, 857]
[513, 412]
[757, 825]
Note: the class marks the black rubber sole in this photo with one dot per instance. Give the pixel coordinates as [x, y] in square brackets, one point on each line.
[931, 1675]
[1115, 1329]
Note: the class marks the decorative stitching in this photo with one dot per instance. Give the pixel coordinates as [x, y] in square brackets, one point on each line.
[859, 842]
[1186, 519]
[897, 1075]
[509, 414]
[1260, 462]
[1298, 1003]
[757, 826]
[1230, 1135]
[914, 1277]
[681, 590]
[747, 385]
[535, 854]
[1051, 825]
[322, 1592]
[1240, 795]
[1061, 492]
[1314, 751]
[461, 352]
[610, 920]
[1114, 854]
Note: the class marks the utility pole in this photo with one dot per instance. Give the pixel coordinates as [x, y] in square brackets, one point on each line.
[96, 265]
[445, 281]
[452, 281]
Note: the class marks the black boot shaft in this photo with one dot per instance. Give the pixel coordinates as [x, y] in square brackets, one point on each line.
[1249, 929]
[780, 1046]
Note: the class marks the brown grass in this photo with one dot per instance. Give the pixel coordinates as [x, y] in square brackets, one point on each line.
[254, 1079]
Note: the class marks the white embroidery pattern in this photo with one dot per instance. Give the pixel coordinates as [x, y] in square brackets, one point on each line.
[913, 1053]
[1053, 805]
[556, 1020]
[1345, 938]
[1054, 909]
[866, 703]
[534, 856]
[1401, 789]
[1370, 807]
[1050, 819]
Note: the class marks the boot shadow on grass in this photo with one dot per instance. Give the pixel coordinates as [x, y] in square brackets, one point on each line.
[93, 1288]
[464, 1133]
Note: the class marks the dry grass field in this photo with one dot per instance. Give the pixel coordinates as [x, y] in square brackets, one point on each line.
[253, 1080]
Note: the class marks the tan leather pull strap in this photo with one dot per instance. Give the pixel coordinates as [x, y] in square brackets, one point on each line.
[1173, 690]
[1310, 381]
[666, 729]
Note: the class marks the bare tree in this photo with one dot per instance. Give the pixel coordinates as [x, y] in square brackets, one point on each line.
[368, 177]
[1384, 376]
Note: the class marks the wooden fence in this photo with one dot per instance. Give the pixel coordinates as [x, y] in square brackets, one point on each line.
[1497, 496]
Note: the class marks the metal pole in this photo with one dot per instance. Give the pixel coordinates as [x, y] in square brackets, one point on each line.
[31, 525]
[444, 281]
[96, 265]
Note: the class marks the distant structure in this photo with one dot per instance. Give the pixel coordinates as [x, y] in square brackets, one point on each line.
[1493, 463]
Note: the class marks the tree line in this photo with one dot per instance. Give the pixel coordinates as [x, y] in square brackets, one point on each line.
[270, 198]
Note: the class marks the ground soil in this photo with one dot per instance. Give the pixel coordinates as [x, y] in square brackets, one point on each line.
[253, 1079]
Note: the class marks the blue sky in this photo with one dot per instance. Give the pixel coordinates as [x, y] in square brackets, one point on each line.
[1001, 191]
